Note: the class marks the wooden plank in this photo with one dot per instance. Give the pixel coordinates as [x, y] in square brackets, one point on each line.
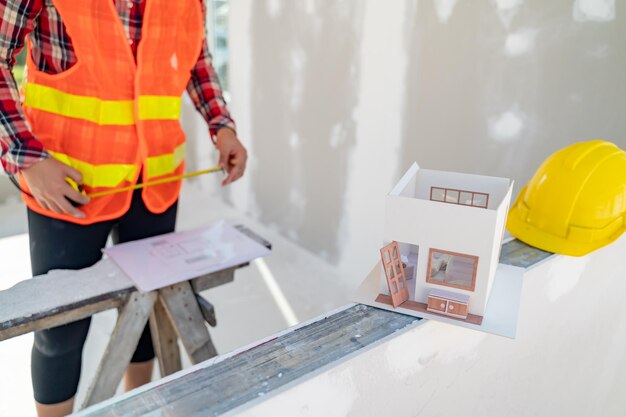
[518, 253]
[60, 297]
[67, 314]
[207, 309]
[225, 385]
[215, 279]
[123, 342]
[165, 340]
[68, 304]
[183, 310]
[43, 313]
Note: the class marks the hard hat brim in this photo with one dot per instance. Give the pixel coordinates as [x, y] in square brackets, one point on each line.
[537, 238]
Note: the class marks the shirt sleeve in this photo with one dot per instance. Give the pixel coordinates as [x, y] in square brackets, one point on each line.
[206, 93]
[19, 148]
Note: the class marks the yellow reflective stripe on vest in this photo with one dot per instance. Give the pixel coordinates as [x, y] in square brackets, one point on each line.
[105, 175]
[157, 166]
[159, 107]
[112, 175]
[101, 112]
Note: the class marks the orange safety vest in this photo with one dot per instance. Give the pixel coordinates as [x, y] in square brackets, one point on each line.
[110, 117]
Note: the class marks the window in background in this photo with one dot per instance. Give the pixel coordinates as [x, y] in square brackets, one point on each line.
[218, 30]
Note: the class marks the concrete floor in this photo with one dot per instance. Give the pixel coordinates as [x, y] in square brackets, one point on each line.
[290, 286]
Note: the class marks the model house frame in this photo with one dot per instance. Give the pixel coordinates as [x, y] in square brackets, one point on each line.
[443, 233]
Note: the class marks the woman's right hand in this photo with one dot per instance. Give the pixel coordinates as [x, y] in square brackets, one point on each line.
[48, 185]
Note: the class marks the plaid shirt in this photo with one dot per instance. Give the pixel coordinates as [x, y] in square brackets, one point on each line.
[53, 53]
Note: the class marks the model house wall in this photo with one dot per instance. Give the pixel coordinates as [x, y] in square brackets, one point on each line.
[412, 218]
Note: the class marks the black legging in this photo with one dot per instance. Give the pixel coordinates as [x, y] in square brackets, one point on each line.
[56, 244]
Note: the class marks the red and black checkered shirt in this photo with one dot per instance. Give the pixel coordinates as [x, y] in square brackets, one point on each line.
[53, 53]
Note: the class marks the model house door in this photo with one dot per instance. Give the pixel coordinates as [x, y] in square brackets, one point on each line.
[394, 271]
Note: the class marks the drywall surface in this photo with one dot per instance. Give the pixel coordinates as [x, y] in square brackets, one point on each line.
[304, 78]
[567, 359]
[336, 99]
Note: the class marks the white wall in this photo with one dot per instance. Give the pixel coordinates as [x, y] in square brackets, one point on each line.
[336, 98]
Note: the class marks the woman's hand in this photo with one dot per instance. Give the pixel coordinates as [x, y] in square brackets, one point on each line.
[233, 156]
[48, 185]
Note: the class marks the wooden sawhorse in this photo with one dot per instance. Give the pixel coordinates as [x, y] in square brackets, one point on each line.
[175, 312]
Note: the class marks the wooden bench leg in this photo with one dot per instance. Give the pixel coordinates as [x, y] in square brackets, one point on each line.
[130, 324]
[165, 340]
[183, 310]
[207, 309]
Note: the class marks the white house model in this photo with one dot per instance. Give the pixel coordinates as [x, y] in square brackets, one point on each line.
[443, 232]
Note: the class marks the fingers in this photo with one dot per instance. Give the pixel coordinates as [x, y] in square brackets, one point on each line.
[63, 206]
[233, 175]
[52, 205]
[76, 196]
[237, 166]
[46, 203]
[43, 203]
[73, 174]
[59, 204]
[224, 157]
[48, 183]
[66, 206]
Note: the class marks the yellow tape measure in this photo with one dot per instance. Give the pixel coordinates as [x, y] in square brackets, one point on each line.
[150, 183]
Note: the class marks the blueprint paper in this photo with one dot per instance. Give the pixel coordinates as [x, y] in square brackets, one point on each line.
[168, 259]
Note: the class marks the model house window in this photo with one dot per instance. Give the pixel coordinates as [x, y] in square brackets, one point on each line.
[463, 197]
[452, 269]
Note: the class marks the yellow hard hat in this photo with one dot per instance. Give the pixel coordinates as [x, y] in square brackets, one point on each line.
[576, 201]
